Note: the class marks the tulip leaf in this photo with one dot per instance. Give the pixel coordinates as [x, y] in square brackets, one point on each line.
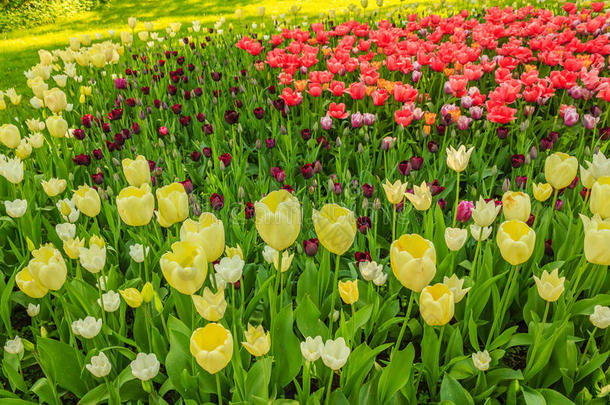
[532, 397]
[60, 363]
[45, 392]
[308, 318]
[595, 363]
[285, 348]
[452, 390]
[554, 397]
[360, 362]
[396, 375]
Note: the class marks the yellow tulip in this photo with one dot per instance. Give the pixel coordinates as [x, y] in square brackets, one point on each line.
[57, 126]
[24, 150]
[560, 169]
[597, 240]
[395, 192]
[600, 197]
[136, 171]
[516, 241]
[29, 285]
[136, 205]
[348, 290]
[55, 100]
[278, 219]
[232, 251]
[436, 304]
[413, 261]
[208, 233]
[173, 204]
[147, 292]
[516, 205]
[53, 187]
[212, 347]
[457, 160]
[421, 198]
[9, 135]
[335, 227]
[550, 285]
[46, 58]
[184, 267]
[48, 267]
[210, 306]
[72, 247]
[132, 297]
[257, 341]
[455, 238]
[542, 191]
[87, 200]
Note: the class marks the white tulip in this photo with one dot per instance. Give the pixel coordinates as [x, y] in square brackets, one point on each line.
[33, 310]
[111, 301]
[311, 348]
[138, 253]
[600, 317]
[481, 360]
[65, 231]
[145, 367]
[14, 346]
[16, 208]
[478, 234]
[87, 328]
[335, 353]
[100, 365]
[230, 269]
[370, 270]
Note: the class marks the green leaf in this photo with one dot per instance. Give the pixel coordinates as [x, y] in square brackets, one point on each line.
[360, 362]
[43, 389]
[60, 363]
[452, 390]
[308, 318]
[286, 348]
[532, 397]
[555, 398]
[397, 374]
[257, 380]
[593, 364]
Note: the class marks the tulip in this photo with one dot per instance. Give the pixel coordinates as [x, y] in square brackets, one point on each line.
[88, 328]
[73, 246]
[436, 304]
[516, 241]
[137, 171]
[93, 259]
[212, 347]
[210, 306]
[549, 285]
[14, 346]
[369, 270]
[542, 191]
[257, 341]
[55, 100]
[48, 267]
[413, 261]
[53, 187]
[230, 269]
[348, 290]
[560, 169]
[312, 348]
[278, 219]
[173, 204]
[516, 205]
[481, 360]
[110, 301]
[455, 238]
[600, 318]
[132, 297]
[29, 285]
[455, 285]
[12, 170]
[147, 292]
[33, 310]
[597, 240]
[421, 198]
[9, 136]
[138, 252]
[184, 267]
[395, 192]
[24, 150]
[100, 365]
[478, 233]
[335, 227]
[484, 213]
[87, 200]
[16, 208]
[234, 251]
[57, 126]
[208, 232]
[145, 367]
[457, 160]
[600, 197]
[136, 205]
[335, 353]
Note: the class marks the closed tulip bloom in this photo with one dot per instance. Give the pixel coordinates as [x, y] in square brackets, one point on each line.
[29, 285]
[33, 310]
[485, 213]
[53, 187]
[278, 219]
[550, 285]
[87, 328]
[481, 360]
[24, 150]
[48, 267]
[208, 232]
[413, 261]
[455, 238]
[597, 240]
[136, 205]
[335, 353]
[12, 170]
[600, 318]
[145, 367]
[55, 100]
[348, 290]
[370, 270]
[457, 160]
[184, 267]
[516, 205]
[136, 171]
[57, 126]
[212, 347]
[132, 297]
[147, 292]
[560, 169]
[456, 286]
[16, 208]
[421, 197]
[542, 191]
[173, 204]
[257, 341]
[100, 365]
[335, 227]
[230, 269]
[73, 246]
[436, 304]
[600, 197]
[395, 192]
[93, 258]
[87, 200]
[9, 136]
[210, 306]
[110, 301]
[138, 252]
[312, 348]
[516, 241]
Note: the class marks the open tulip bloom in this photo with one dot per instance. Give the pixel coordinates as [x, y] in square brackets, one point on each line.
[391, 204]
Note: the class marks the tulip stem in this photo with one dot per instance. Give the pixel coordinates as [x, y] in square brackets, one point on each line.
[330, 385]
[476, 256]
[546, 313]
[404, 323]
[306, 382]
[393, 223]
[457, 198]
[508, 288]
[218, 389]
[333, 296]
[584, 352]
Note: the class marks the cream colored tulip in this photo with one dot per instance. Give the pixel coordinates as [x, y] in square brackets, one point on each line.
[457, 160]
[278, 219]
[560, 169]
[600, 197]
[516, 241]
[455, 238]
[421, 198]
[550, 285]
[436, 304]
[208, 232]
[542, 191]
[413, 261]
[395, 192]
[516, 205]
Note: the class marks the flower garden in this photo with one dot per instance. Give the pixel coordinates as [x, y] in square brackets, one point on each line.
[390, 206]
